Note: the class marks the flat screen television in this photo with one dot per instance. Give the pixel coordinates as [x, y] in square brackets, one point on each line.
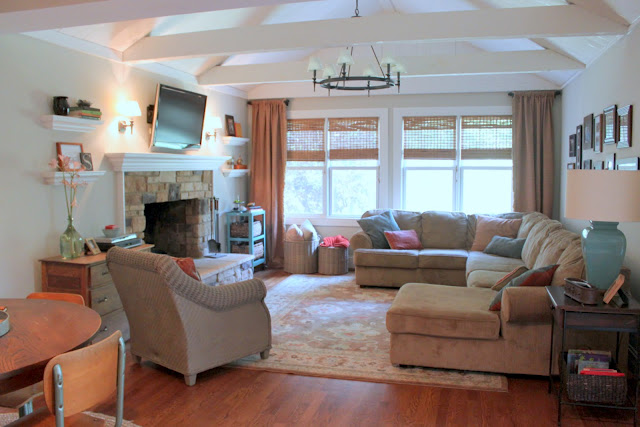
[178, 119]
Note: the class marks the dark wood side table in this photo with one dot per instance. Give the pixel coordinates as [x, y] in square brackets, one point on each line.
[570, 314]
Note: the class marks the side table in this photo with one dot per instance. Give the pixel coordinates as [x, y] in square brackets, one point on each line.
[570, 314]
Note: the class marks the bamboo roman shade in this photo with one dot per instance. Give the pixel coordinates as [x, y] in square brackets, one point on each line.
[353, 138]
[429, 137]
[305, 140]
[486, 137]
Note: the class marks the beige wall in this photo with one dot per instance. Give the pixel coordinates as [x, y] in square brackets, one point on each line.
[33, 214]
[612, 79]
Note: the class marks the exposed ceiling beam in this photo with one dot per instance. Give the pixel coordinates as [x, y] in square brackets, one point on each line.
[446, 65]
[600, 8]
[37, 15]
[530, 22]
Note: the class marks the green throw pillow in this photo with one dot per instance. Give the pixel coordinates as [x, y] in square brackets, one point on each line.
[376, 225]
[505, 246]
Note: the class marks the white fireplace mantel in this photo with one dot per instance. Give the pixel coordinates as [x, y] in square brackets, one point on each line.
[145, 162]
[142, 162]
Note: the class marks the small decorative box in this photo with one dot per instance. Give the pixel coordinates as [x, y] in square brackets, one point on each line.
[581, 291]
[4, 321]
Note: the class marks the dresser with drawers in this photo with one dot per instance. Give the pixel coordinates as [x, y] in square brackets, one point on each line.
[89, 277]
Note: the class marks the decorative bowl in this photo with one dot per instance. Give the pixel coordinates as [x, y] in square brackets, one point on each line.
[111, 232]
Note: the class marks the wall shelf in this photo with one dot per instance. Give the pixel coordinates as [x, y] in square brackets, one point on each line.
[234, 173]
[234, 140]
[142, 162]
[71, 124]
[55, 178]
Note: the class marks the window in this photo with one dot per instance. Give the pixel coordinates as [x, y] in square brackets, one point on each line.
[457, 163]
[332, 166]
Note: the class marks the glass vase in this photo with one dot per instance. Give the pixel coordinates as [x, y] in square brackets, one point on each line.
[71, 242]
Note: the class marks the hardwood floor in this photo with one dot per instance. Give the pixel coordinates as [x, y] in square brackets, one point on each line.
[237, 397]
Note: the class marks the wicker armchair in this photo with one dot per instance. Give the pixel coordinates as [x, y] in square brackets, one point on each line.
[183, 324]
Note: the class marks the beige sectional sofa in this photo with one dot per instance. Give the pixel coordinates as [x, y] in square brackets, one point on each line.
[443, 320]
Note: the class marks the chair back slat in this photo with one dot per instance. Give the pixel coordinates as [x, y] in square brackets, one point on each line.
[89, 375]
[57, 296]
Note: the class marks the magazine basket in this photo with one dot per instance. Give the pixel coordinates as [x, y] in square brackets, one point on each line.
[581, 294]
[597, 389]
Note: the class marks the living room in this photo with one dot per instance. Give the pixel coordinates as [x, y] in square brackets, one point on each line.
[76, 51]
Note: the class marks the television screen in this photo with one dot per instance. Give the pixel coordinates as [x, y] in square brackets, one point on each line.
[178, 119]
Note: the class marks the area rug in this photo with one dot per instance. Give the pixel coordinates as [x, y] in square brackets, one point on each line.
[5, 419]
[328, 326]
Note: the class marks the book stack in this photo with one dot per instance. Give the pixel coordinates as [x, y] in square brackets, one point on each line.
[85, 113]
[591, 362]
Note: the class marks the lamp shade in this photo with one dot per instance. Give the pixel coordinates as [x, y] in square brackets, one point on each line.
[130, 109]
[388, 60]
[603, 195]
[216, 122]
[314, 64]
[329, 71]
[369, 71]
[345, 58]
[400, 69]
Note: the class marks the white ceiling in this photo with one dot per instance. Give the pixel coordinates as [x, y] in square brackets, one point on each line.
[259, 50]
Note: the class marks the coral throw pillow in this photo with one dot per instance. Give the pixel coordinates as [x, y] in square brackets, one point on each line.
[489, 226]
[539, 277]
[188, 266]
[403, 239]
[376, 225]
[509, 277]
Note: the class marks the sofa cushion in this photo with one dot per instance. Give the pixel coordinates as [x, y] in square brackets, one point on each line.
[444, 230]
[445, 259]
[472, 222]
[554, 246]
[487, 227]
[482, 261]
[570, 264]
[505, 246]
[536, 239]
[528, 222]
[376, 225]
[443, 311]
[386, 258]
[406, 220]
[484, 278]
[539, 277]
[403, 239]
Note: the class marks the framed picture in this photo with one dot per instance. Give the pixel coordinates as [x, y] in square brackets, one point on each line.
[586, 164]
[598, 165]
[628, 164]
[610, 124]
[92, 245]
[610, 162]
[86, 162]
[624, 126]
[587, 135]
[578, 150]
[571, 165]
[238, 128]
[69, 149]
[579, 139]
[597, 133]
[572, 145]
[231, 127]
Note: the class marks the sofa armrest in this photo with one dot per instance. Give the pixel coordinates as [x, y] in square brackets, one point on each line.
[360, 240]
[526, 305]
[222, 297]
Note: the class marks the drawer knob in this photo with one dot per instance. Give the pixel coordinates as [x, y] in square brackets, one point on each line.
[103, 299]
[104, 329]
[104, 273]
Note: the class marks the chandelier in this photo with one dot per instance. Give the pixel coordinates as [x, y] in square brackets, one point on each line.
[372, 78]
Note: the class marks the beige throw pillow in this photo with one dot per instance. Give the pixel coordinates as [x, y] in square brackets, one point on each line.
[489, 226]
[509, 277]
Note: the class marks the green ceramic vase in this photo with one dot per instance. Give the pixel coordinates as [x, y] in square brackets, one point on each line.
[71, 242]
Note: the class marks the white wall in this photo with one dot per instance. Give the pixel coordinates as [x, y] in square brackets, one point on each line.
[33, 214]
[612, 79]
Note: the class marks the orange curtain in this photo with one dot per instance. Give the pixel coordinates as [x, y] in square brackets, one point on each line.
[268, 163]
[533, 152]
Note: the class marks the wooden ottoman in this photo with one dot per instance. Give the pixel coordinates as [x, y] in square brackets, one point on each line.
[333, 260]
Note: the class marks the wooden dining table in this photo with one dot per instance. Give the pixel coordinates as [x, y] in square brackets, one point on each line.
[40, 330]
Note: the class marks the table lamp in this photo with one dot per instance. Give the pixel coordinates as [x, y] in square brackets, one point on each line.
[605, 198]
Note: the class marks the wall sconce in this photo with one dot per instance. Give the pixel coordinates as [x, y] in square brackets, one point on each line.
[128, 109]
[216, 124]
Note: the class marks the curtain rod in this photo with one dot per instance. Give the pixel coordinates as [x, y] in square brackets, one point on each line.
[286, 102]
[556, 93]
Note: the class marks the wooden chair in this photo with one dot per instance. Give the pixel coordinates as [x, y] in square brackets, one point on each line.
[22, 399]
[78, 380]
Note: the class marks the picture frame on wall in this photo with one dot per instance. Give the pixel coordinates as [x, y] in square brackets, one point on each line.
[597, 133]
[598, 165]
[579, 139]
[571, 165]
[586, 164]
[231, 127]
[628, 164]
[610, 162]
[624, 126]
[587, 132]
[578, 150]
[610, 124]
[86, 161]
[71, 150]
[572, 145]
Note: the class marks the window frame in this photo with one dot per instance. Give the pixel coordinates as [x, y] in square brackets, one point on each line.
[382, 193]
[399, 168]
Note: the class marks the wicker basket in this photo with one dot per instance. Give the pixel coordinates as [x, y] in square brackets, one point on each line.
[301, 257]
[595, 388]
[333, 260]
[241, 229]
[243, 248]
